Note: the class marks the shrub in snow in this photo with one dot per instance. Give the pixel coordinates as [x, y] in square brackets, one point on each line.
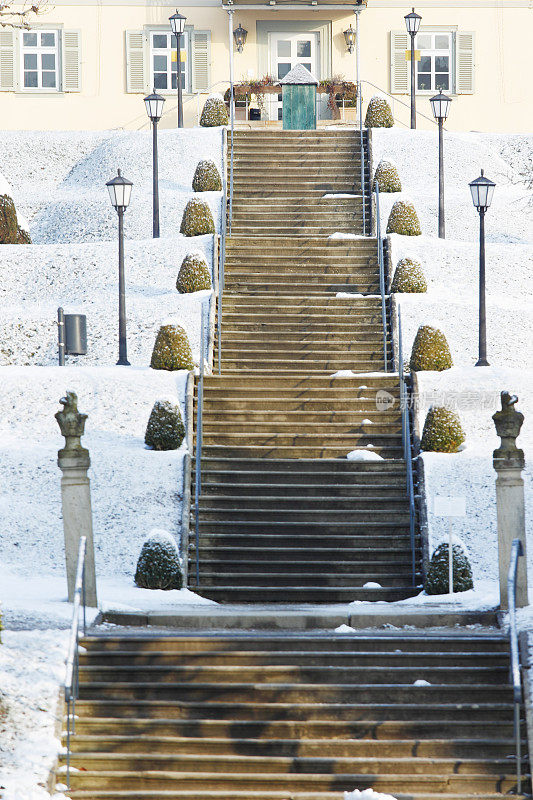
[430, 350]
[207, 177]
[165, 429]
[387, 176]
[172, 349]
[409, 276]
[437, 580]
[443, 432]
[197, 218]
[403, 219]
[214, 112]
[194, 274]
[159, 565]
[23, 237]
[378, 113]
[10, 230]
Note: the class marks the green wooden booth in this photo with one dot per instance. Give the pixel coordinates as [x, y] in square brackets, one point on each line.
[298, 90]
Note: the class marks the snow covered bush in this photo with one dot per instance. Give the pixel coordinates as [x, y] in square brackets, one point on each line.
[378, 113]
[214, 112]
[443, 432]
[437, 580]
[197, 218]
[159, 564]
[194, 274]
[403, 219]
[207, 177]
[387, 176]
[409, 277]
[172, 349]
[165, 429]
[430, 350]
[10, 230]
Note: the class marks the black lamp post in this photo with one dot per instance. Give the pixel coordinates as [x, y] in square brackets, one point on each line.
[349, 38]
[412, 23]
[440, 105]
[482, 192]
[177, 23]
[239, 35]
[154, 108]
[120, 192]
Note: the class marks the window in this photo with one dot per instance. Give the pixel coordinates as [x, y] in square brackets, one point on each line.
[163, 61]
[40, 57]
[434, 70]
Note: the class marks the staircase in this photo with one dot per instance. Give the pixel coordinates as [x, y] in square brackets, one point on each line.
[284, 516]
[270, 717]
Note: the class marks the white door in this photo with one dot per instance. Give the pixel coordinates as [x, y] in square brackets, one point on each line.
[286, 51]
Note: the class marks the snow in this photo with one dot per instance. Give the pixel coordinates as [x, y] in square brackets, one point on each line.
[345, 629]
[341, 235]
[363, 455]
[367, 794]
[372, 585]
[421, 682]
[343, 373]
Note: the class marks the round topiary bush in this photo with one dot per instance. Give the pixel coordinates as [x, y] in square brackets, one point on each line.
[165, 429]
[9, 229]
[403, 219]
[409, 277]
[194, 274]
[430, 350]
[378, 113]
[172, 349]
[197, 218]
[443, 432]
[214, 112]
[437, 580]
[207, 177]
[388, 177]
[159, 564]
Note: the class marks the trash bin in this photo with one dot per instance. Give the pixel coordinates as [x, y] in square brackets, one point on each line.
[298, 89]
[75, 334]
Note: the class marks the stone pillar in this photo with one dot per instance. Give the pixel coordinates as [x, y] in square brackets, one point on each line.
[73, 461]
[508, 462]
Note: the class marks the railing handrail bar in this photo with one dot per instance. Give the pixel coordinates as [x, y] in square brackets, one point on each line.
[198, 449]
[406, 440]
[516, 551]
[222, 250]
[397, 100]
[362, 144]
[381, 278]
[74, 630]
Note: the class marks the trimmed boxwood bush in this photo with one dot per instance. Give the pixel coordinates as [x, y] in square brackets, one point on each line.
[214, 112]
[437, 581]
[207, 177]
[159, 564]
[165, 429]
[409, 277]
[172, 349]
[23, 237]
[197, 218]
[387, 176]
[430, 350]
[443, 432]
[378, 113]
[403, 219]
[194, 274]
[9, 229]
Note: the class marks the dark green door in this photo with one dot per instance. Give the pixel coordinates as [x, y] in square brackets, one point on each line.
[299, 107]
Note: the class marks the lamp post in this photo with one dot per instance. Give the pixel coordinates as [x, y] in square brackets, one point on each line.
[412, 23]
[120, 192]
[154, 108]
[177, 24]
[440, 105]
[239, 35]
[482, 190]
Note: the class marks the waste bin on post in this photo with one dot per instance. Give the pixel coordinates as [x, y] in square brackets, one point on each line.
[298, 89]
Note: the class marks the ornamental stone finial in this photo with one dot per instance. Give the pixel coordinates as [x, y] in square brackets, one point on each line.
[72, 426]
[508, 423]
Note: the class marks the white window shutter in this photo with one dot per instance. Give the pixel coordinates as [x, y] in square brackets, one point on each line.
[135, 58]
[464, 68]
[71, 61]
[201, 60]
[7, 61]
[399, 67]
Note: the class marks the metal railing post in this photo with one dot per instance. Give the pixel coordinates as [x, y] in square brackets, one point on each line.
[222, 252]
[361, 139]
[406, 440]
[198, 454]
[516, 679]
[232, 113]
[381, 280]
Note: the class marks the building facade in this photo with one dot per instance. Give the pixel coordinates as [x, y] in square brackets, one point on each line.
[86, 64]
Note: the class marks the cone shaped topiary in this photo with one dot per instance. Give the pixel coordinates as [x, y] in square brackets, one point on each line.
[9, 229]
[378, 113]
[206, 177]
[197, 218]
[194, 274]
[438, 581]
[409, 277]
[159, 564]
[165, 429]
[214, 112]
[172, 349]
[430, 350]
[443, 432]
[403, 219]
[387, 176]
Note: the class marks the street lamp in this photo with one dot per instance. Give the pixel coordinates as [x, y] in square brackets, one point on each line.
[120, 192]
[177, 23]
[154, 108]
[440, 105]
[412, 23]
[240, 34]
[349, 38]
[482, 190]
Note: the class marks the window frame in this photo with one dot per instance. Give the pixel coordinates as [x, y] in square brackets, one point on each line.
[433, 51]
[186, 45]
[39, 50]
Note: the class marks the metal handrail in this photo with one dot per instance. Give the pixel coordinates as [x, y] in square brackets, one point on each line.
[516, 679]
[381, 265]
[222, 252]
[198, 452]
[397, 100]
[361, 137]
[407, 454]
[73, 658]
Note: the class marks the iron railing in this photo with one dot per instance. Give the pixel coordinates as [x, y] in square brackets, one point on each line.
[199, 438]
[222, 251]
[401, 102]
[516, 678]
[381, 263]
[73, 656]
[407, 454]
[362, 142]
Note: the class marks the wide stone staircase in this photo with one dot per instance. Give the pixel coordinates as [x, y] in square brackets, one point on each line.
[272, 717]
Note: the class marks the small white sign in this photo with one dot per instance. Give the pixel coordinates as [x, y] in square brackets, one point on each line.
[449, 506]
